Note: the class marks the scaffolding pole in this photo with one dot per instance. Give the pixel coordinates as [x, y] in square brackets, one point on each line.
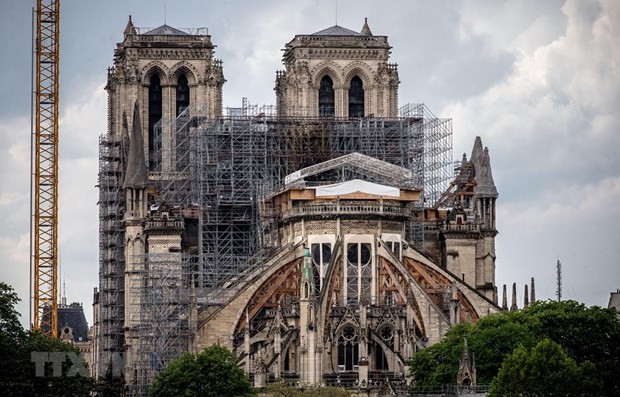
[160, 317]
[218, 166]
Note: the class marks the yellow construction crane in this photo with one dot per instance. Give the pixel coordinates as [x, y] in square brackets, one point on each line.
[45, 141]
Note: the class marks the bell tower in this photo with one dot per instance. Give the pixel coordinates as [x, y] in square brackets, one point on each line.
[165, 70]
[338, 72]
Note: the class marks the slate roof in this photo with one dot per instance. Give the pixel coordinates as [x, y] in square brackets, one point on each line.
[336, 31]
[73, 316]
[166, 30]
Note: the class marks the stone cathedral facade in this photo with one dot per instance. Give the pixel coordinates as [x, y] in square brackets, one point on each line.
[333, 289]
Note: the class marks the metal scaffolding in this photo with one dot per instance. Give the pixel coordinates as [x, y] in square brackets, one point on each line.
[111, 253]
[219, 166]
[163, 329]
[214, 173]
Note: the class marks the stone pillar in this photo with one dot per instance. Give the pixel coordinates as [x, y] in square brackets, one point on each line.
[526, 296]
[277, 350]
[514, 306]
[363, 373]
[246, 347]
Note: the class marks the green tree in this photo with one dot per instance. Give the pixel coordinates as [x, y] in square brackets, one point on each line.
[12, 336]
[438, 364]
[587, 334]
[17, 371]
[495, 337]
[69, 383]
[210, 373]
[109, 385]
[545, 370]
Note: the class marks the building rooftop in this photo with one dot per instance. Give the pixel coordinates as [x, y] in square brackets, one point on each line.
[336, 30]
[166, 30]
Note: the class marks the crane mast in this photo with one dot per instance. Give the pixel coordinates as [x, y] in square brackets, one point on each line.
[45, 225]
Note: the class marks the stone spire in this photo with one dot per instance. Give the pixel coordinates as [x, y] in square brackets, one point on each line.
[514, 306]
[466, 374]
[532, 292]
[476, 152]
[526, 297]
[135, 174]
[129, 29]
[365, 29]
[505, 299]
[485, 185]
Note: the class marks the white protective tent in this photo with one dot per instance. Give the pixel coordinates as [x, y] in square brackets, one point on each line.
[356, 185]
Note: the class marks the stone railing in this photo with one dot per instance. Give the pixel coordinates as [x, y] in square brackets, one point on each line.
[346, 209]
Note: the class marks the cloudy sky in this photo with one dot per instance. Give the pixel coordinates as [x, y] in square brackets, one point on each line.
[539, 81]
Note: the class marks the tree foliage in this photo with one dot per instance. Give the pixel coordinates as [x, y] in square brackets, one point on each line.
[211, 373]
[17, 371]
[110, 385]
[545, 370]
[586, 334]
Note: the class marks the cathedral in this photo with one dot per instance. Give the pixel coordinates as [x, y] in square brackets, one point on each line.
[324, 240]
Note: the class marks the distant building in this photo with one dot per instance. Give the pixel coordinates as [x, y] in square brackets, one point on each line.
[614, 301]
[73, 328]
[325, 239]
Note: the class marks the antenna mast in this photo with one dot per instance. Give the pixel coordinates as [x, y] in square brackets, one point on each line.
[559, 290]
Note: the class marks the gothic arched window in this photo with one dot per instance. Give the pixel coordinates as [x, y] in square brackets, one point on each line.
[155, 112]
[359, 272]
[356, 97]
[321, 256]
[348, 349]
[326, 97]
[182, 94]
[386, 334]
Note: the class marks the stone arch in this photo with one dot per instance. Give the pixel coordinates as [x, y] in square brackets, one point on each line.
[361, 70]
[283, 280]
[347, 341]
[387, 350]
[155, 67]
[328, 68]
[357, 106]
[190, 71]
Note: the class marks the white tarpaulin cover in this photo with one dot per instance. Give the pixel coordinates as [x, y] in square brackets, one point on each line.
[356, 185]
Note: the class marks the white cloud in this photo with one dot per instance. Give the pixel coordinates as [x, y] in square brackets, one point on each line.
[574, 224]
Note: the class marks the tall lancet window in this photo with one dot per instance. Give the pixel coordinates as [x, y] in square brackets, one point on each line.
[359, 272]
[326, 97]
[155, 112]
[182, 94]
[356, 98]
